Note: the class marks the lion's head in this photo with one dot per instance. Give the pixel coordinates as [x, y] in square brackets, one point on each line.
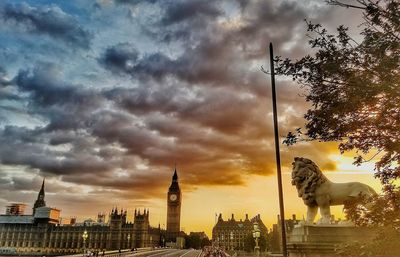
[307, 177]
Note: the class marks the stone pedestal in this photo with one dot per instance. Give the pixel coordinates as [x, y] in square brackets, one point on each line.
[321, 240]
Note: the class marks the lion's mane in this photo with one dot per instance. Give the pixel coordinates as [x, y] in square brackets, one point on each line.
[307, 177]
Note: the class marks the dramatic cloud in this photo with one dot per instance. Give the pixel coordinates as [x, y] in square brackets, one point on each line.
[154, 83]
[120, 58]
[183, 10]
[48, 20]
[4, 81]
[134, 2]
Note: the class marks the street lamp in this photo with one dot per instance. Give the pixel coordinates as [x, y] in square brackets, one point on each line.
[84, 236]
[256, 235]
[129, 238]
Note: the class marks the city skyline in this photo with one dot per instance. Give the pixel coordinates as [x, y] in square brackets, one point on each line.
[103, 98]
[157, 219]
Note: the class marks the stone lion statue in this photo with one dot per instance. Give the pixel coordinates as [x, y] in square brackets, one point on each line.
[318, 192]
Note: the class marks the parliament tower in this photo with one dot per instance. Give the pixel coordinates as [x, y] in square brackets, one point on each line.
[174, 209]
[40, 199]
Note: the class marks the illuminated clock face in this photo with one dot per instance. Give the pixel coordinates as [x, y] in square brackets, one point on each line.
[173, 197]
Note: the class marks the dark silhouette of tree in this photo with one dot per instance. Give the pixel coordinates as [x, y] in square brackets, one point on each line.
[249, 243]
[205, 242]
[381, 213]
[193, 241]
[354, 87]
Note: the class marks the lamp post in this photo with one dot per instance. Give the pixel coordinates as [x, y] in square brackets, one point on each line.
[129, 238]
[256, 235]
[84, 236]
[277, 152]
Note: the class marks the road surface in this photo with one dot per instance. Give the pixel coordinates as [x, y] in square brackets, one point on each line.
[169, 253]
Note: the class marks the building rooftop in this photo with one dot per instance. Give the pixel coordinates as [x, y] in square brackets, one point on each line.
[16, 219]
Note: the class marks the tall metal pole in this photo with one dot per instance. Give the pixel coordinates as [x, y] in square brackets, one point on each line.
[278, 157]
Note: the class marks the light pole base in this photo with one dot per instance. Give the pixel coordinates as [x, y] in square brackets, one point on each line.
[257, 251]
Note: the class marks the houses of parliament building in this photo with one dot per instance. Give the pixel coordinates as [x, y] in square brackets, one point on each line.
[42, 232]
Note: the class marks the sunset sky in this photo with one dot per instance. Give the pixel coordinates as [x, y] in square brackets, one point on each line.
[103, 97]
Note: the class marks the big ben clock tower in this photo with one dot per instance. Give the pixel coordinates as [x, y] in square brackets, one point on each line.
[174, 209]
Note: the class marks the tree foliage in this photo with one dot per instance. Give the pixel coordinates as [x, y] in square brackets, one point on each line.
[354, 86]
[205, 242]
[385, 245]
[194, 240]
[383, 214]
[249, 243]
[379, 211]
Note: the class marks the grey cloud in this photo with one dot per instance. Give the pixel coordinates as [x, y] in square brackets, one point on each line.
[8, 95]
[7, 92]
[28, 187]
[112, 126]
[66, 110]
[44, 84]
[120, 57]
[179, 11]
[4, 81]
[217, 56]
[24, 183]
[207, 130]
[48, 20]
[206, 63]
[30, 148]
[134, 2]
[208, 107]
[179, 19]
[65, 105]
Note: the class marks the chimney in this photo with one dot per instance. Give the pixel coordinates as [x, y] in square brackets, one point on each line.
[294, 217]
[233, 218]
[247, 216]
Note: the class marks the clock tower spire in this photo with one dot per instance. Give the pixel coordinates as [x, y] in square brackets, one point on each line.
[40, 199]
[174, 201]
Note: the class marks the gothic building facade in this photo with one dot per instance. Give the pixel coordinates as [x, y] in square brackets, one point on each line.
[231, 234]
[42, 233]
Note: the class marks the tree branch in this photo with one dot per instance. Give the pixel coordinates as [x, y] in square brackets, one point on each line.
[338, 3]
